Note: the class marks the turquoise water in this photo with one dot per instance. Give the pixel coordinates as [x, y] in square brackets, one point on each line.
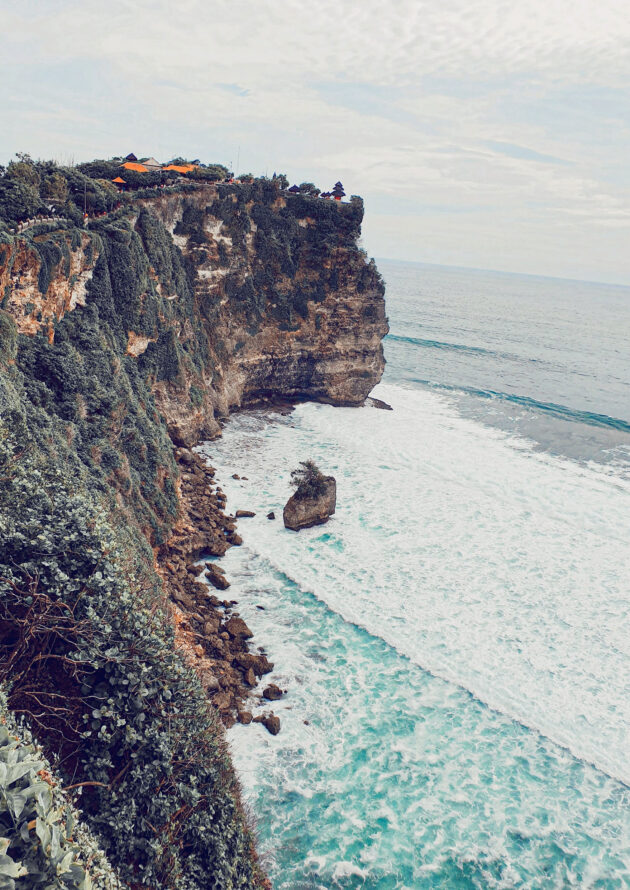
[455, 642]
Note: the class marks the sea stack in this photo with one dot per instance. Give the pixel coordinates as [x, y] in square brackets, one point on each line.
[303, 512]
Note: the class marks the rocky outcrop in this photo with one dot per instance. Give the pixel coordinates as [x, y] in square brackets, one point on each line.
[304, 512]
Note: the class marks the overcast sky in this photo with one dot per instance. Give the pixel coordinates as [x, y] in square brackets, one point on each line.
[489, 134]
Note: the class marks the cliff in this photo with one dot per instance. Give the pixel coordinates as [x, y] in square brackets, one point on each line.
[122, 344]
[224, 295]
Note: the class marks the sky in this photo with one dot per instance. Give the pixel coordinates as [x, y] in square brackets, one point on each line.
[488, 134]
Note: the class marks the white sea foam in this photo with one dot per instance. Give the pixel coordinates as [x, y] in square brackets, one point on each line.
[497, 568]
[460, 551]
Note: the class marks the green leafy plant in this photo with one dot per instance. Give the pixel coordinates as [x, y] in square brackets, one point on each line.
[308, 480]
[42, 843]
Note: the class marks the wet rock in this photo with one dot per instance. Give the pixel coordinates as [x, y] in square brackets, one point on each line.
[235, 539]
[272, 692]
[215, 567]
[259, 664]
[378, 403]
[271, 515]
[236, 627]
[235, 476]
[244, 717]
[301, 512]
[216, 578]
[244, 514]
[271, 724]
[228, 719]
[250, 677]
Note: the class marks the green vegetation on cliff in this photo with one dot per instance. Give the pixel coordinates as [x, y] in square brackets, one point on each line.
[117, 342]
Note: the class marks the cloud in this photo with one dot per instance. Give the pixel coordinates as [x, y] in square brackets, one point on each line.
[527, 154]
[487, 115]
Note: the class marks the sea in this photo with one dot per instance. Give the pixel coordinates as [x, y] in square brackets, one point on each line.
[455, 642]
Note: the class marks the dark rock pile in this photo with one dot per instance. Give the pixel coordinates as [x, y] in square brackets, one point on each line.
[212, 635]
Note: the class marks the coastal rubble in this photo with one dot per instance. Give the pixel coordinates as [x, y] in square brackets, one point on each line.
[211, 635]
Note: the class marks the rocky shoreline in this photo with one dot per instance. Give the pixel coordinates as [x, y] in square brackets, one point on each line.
[208, 630]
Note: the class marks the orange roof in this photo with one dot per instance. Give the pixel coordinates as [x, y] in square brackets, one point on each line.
[139, 168]
[180, 168]
[118, 179]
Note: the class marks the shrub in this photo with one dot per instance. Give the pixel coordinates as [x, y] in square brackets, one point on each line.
[18, 200]
[308, 480]
[43, 841]
[90, 655]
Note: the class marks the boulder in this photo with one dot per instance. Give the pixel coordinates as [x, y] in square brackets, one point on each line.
[300, 512]
[271, 515]
[236, 627]
[222, 701]
[244, 717]
[272, 724]
[244, 514]
[216, 577]
[259, 664]
[215, 567]
[250, 677]
[211, 627]
[272, 692]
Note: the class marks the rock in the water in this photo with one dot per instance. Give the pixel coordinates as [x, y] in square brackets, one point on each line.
[260, 664]
[216, 577]
[236, 627]
[272, 692]
[305, 512]
[244, 717]
[272, 724]
[250, 677]
[378, 403]
[244, 514]
[215, 567]
[271, 515]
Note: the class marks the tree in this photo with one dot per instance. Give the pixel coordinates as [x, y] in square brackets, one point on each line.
[338, 191]
[55, 188]
[25, 171]
[18, 200]
[281, 180]
[309, 188]
[308, 480]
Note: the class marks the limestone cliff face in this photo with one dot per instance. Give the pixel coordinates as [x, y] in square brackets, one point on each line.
[44, 276]
[225, 295]
[292, 306]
